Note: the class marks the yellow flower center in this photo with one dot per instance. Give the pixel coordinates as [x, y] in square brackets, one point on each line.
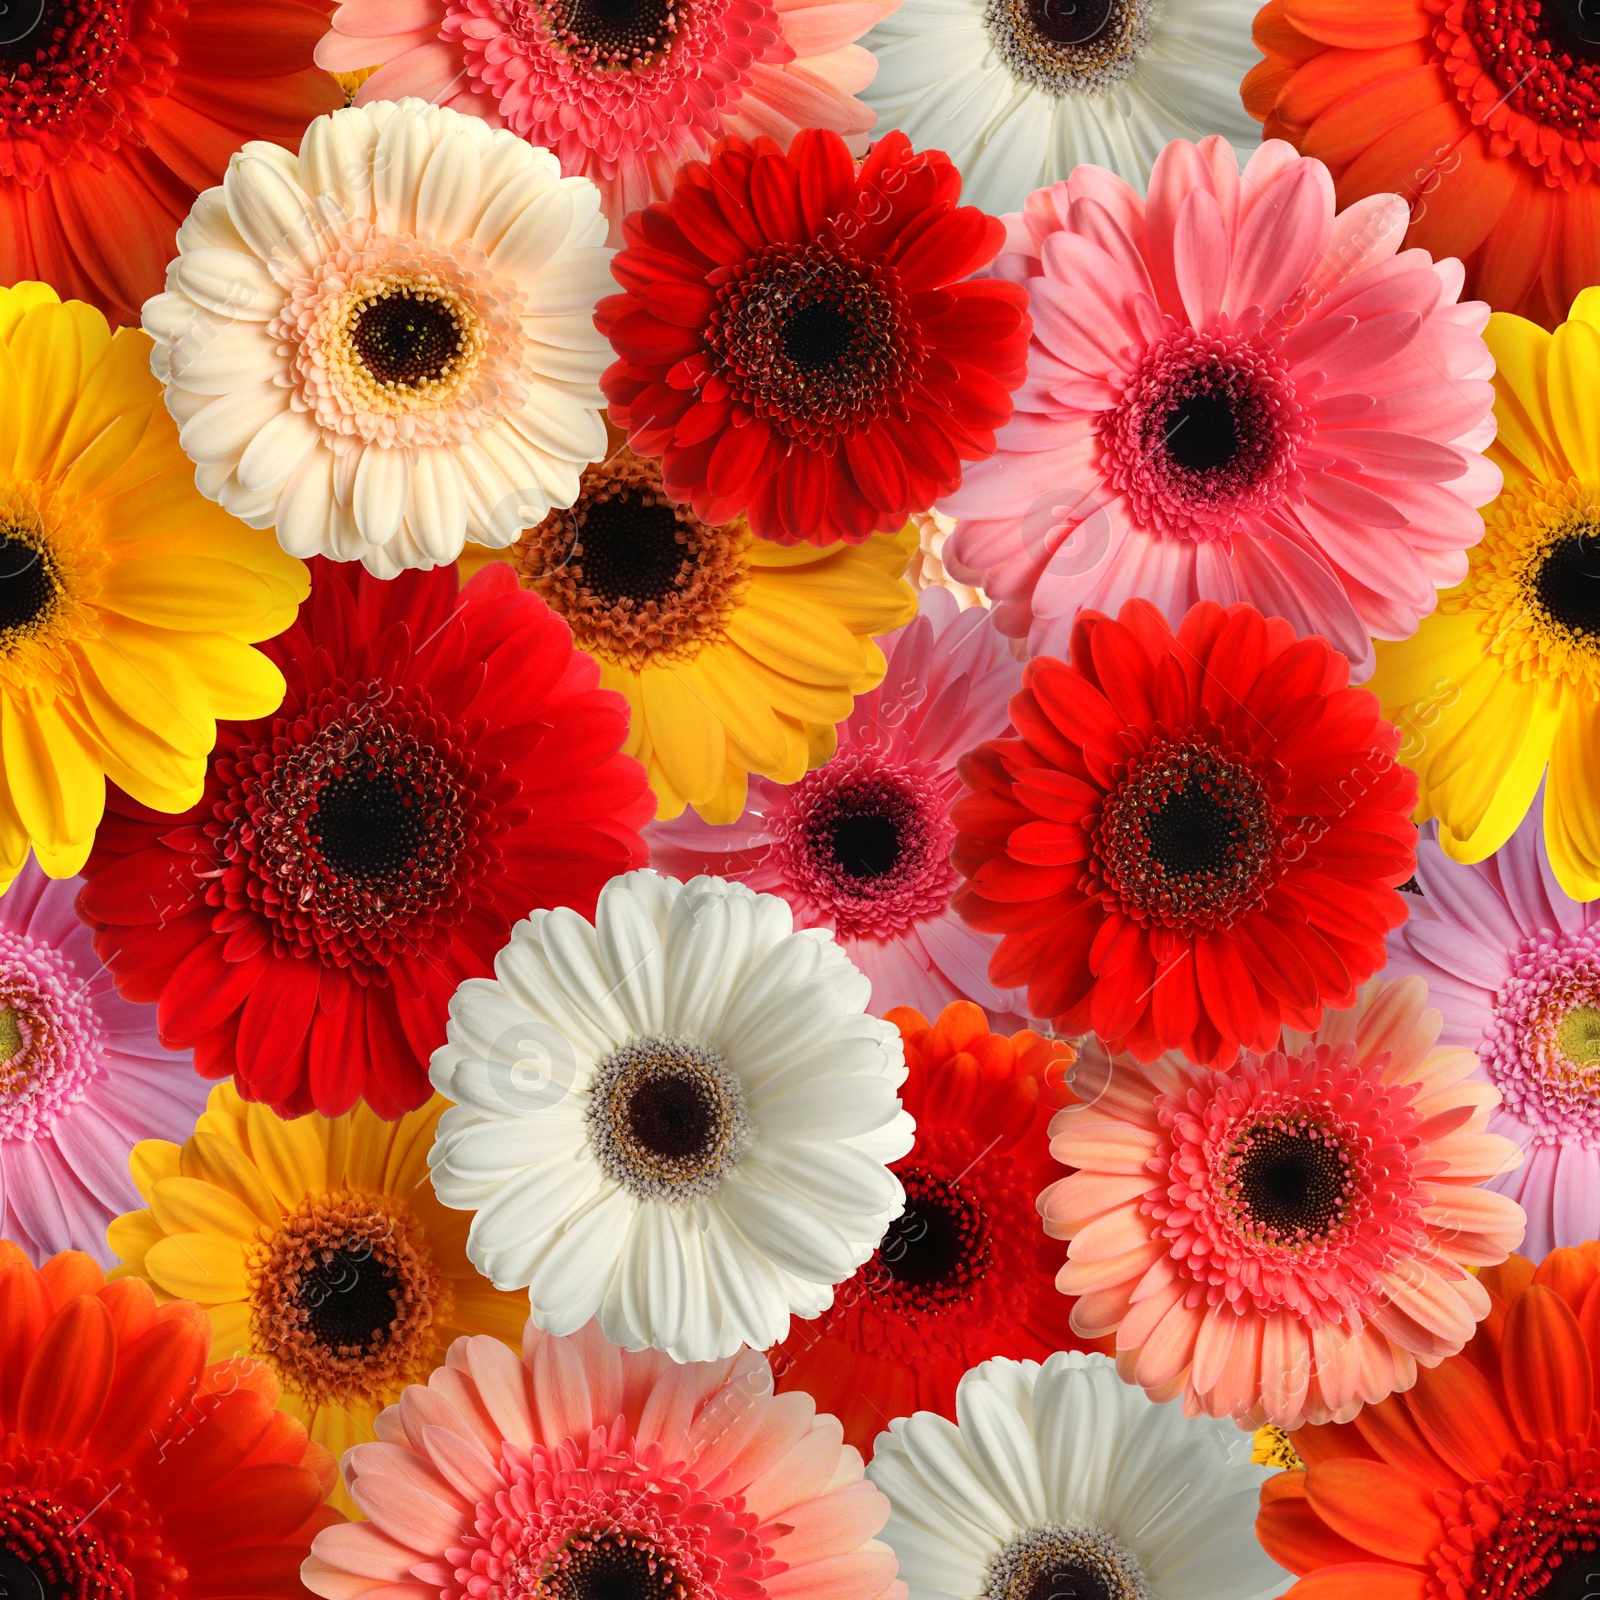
[1578, 1035]
[1274, 1448]
[10, 1034]
[50, 553]
[640, 579]
[1536, 580]
[345, 1299]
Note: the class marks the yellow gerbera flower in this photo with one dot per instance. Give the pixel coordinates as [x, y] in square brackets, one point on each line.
[315, 1245]
[128, 602]
[1503, 682]
[736, 655]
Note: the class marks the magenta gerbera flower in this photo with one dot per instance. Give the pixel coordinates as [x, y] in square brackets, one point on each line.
[622, 93]
[1233, 393]
[83, 1077]
[862, 845]
[1513, 963]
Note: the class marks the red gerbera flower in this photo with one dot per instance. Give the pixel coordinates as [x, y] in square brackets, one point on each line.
[114, 114]
[797, 340]
[966, 1272]
[442, 764]
[1196, 839]
[131, 1470]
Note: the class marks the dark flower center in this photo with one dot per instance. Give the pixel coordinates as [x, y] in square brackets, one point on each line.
[1577, 1577]
[1572, 28]
[611, 1565]
[1070, 21]
[1062, 47]
[812, 339]
[866, 844]
[1057, 1562]
[349, 1299]
[615, 33]
[936, 1251]
[29, 591]
[1202, 432]
[666, 1119]
[1544, 54]
[1290, 1181]
[408, 339]
[1530, 1533]
[59, 67]
[1566, 583]
[52, 1551]
[366, 827]
[1188, 838]
[630, 548]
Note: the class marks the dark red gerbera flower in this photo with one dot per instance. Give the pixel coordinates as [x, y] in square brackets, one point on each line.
[797, 340]
[967, 1272]
[1196, 839]
[442, 764]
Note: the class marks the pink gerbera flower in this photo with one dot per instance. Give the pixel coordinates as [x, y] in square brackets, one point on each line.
[83, 1077]
[1513, 963]
[623, 91]
[862, 845]
[583, 1472]
[1233, 394]
[1290, 1240]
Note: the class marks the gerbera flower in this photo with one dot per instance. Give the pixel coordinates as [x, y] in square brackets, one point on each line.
[1021, 91]
[862, 845]
[1505, 681]
[800, 340]
[1061, 1481]
[82, 1077]
[114, 112]
[587, 1472]
[443, 761]
[735, 655]
[128, 1466]
[1234, 394]
[623, 94]
[1482, 116]
[1481, 1481]
[964, 1273]
[1193, 840]
[128, 605]
[317, 1247]
[386, 348]
[1513, 963]
[677, 1119]
[1289, 1240]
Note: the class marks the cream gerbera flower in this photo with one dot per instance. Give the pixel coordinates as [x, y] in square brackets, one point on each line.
[386, 347]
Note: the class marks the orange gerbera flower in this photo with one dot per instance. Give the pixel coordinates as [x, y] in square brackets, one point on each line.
[114, 114]
[1483, 115]
[1482, 1482]
[128, 1467]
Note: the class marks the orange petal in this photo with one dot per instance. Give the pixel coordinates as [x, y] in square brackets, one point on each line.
[1297, 1538]
[1367, 1581]
[69, 1376]
[25, 1308]
[154, 1377]
[1389, 1430]
[1460, 1415]
[1545, 1367]
[1509, 260]
[1360, 24]
[1377, 1508]
[70, 1274]
[1331, 1442]
[1567, 1273]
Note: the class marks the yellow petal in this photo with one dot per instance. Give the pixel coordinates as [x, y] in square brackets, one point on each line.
[1574, 401]
[1572, 802]
[727, 804]
[367, 1146]
[685, 733]
[737, 704]
[230, 1332]
[292, 1156]
[131, 1237]
[1524, 430]
[407, 1166]
[57, 787]
[150, 1161]
[20, 298]
[222, 1162]
[54, 348]
[200, 1267]
[197, 594]
[863, 598]
[113, 413]
[191, 1205]
[796, 638]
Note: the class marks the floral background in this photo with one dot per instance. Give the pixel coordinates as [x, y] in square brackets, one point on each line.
[799, 800]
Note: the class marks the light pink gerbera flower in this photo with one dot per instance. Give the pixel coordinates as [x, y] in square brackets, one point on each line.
[83, 1077]
[862, 845]
[623, 91]
[583, 1472]
[1233, 394]
[1513, 963]
[1289, 1240]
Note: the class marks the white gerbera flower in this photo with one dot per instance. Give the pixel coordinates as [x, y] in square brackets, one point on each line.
[1019, 92]
[1064, 1483]
[678, 1119]
[386, 346]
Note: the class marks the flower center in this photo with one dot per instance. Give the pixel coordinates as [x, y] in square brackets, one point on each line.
[1205, 434]
[49, 1038]
[611, 1565]
[408, 338]
[1542, 1045]
[1544, 55]
[615, 33]
[1188, 838]
[355, 827]
[667, 1119]
[1565, 583]
[640, 579]
[866, 842]
[344, 1298]
[1063, 47]
[1288, 1181]
[1065, 1562]
[30, 590]
[812, 340]
[938, 1249]
[51, 1551]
